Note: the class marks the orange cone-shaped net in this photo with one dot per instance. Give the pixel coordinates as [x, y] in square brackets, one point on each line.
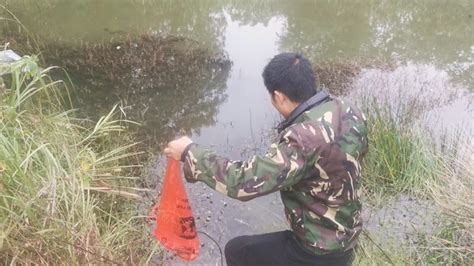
[175, 227]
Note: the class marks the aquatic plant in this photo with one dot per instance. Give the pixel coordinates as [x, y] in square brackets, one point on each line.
[67, 186]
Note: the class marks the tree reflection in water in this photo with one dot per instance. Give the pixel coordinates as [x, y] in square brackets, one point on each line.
[170, 85]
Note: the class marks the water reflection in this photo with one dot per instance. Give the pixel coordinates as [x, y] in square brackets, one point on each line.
[72, 21]
[248, 115]
[435, 32]
[168, 84]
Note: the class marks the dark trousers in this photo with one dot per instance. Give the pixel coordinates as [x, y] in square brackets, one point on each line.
[279, 248]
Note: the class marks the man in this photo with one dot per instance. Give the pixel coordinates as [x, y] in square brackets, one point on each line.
[315, 164]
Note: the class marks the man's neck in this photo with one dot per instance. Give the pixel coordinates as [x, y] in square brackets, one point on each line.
[313, 101]
[290, 108]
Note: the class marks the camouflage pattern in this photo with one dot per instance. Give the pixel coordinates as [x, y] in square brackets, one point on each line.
[316, 166]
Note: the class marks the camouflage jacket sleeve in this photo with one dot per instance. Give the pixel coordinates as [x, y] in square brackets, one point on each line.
[282, 166]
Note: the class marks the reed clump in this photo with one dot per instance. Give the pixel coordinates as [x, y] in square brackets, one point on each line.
[67, 187]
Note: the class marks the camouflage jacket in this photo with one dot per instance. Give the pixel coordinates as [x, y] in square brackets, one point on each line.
[316, 166]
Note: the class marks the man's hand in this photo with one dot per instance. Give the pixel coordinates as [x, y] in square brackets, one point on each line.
[176, 147]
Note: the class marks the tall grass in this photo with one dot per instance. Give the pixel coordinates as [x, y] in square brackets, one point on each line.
[453, 194]
[67, 190]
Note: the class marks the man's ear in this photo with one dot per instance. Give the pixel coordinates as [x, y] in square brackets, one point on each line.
[279, 97]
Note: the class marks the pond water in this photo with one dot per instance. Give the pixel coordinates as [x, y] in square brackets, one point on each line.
[234, 106]
[209, 84]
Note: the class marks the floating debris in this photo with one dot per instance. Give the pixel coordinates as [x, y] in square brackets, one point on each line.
[7, 56]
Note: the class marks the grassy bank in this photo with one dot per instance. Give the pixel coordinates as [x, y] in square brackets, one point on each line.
[431, 166]
[437, 182]
[67, 188]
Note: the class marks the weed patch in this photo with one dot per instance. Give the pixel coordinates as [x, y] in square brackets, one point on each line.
[67, 188]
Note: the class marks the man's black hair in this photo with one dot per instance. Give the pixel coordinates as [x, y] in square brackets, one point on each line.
[291, 74]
